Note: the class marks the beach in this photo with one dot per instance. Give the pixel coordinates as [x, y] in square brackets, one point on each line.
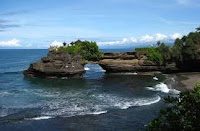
[187, 80]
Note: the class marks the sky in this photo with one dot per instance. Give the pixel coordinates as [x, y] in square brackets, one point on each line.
[111, 23]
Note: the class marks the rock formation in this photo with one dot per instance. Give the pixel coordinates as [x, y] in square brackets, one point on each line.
[56, 65]
[131, 62]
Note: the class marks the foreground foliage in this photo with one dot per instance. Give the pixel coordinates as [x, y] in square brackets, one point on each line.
[182, 114]
[88, 50]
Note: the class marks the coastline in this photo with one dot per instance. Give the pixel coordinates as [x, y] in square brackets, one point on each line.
[186, 80]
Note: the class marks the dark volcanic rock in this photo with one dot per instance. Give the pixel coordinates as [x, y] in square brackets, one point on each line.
[56, 65]
[132, 62]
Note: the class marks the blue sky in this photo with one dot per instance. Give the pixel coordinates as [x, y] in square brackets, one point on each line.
[111, 23]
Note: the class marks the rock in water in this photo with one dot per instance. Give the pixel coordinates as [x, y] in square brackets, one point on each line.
[132, 62]
[56, 65]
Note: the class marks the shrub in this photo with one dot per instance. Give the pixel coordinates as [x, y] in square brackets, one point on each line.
[183, 113]
[152, 53]
[88, 50]
[155, 56]
[165, 51]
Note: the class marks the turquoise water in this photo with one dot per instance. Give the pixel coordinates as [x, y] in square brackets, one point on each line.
[98, 101]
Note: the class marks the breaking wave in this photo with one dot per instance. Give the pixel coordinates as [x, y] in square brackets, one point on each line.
[163, 88]
[86, 68]
[41, 118]
[77, 103]
[81, 103]
[93, 68]
[125, 103]
[155, 78]
[98, 113]
[4, 93]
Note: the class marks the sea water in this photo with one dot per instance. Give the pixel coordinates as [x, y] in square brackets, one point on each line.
[98, 101]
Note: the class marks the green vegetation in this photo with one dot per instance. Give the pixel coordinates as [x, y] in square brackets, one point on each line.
[88, 50]
[182, 113]
[185, 51]
[152, 53]
[165, 51]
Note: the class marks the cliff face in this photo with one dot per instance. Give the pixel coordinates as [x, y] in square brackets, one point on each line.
[56, 65]
[131, 62]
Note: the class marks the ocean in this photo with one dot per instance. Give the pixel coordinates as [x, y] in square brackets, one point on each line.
[98, 101]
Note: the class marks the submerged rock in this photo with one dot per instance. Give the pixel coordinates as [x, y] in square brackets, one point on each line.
[56, 65]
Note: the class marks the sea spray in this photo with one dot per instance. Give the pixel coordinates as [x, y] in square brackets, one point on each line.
[155, 78]
[163, 88]
[41, 118]
[86, 68]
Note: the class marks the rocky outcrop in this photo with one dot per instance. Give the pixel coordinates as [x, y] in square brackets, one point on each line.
[131, 62]
[56, 65]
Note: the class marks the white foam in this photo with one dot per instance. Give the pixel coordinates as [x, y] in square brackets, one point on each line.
[99, 112]
[163, 88]
[94, 68]
[160, 87]
[64, 78]
[86, 68]
[155, 78]
[173, 79]
[138, 102]
[151, 102]
[124, 105]
[135, 73]
[102, 70]
[113, 101]
[42, 118]
[3, 113]
[174, 91]
[5, 93]
[77, 102]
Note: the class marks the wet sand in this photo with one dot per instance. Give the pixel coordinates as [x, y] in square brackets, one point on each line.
[188, 80]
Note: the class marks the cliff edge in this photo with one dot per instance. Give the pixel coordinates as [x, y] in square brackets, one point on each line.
[56, 64]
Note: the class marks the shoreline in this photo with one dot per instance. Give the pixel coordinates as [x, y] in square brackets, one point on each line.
[186, 80]
[182, 80]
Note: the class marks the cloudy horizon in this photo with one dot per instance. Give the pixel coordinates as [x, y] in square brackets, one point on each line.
[111, 23]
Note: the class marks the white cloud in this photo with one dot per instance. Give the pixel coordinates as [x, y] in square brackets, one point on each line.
[175, 36]
[109, 43]
[146, 39]
[119, 42]
[134, 40]
[11, 43]
[124, 40]
[160, 37]
[56, 43]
